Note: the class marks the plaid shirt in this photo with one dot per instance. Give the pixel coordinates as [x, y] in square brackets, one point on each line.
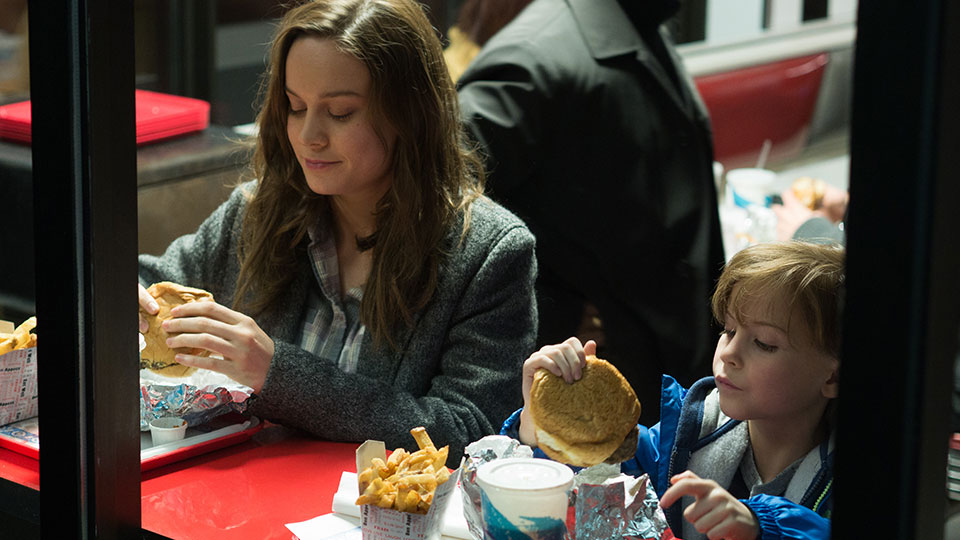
[332, 328]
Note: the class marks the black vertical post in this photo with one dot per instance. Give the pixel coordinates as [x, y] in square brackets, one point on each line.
[84, 175]
[903, 266]
[187, 37]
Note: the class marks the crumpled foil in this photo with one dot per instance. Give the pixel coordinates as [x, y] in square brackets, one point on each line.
[476, 454]
[199, 398]
[613, 505]
[606, 504]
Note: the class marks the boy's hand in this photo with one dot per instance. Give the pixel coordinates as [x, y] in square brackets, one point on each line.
[715, 512]
[565, 360]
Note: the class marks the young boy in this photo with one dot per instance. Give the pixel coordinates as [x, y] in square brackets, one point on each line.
[747, 453]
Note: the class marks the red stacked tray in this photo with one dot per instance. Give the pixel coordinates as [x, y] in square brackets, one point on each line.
[15, 122]
[158, 116]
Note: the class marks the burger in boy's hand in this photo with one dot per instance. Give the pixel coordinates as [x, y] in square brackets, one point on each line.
[592, 420]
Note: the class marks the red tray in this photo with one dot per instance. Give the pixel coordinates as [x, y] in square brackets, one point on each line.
[226, 430]
[158, 116]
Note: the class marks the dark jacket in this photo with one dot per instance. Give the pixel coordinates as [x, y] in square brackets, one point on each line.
[457, 371]
[609, 162]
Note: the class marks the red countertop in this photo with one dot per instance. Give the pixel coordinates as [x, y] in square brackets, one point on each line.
[245, 491]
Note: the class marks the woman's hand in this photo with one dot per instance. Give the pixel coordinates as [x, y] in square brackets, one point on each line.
[246, 349]
[715, 512]
[564, 360]
[148, 304]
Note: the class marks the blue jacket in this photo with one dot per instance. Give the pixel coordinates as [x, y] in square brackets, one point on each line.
[665, 450]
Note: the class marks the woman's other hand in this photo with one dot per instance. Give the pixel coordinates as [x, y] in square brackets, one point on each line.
[246, 349]
[714, 512]
[148, 304]
[564, 360]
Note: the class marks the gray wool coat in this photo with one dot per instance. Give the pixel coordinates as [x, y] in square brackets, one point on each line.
[457, 371]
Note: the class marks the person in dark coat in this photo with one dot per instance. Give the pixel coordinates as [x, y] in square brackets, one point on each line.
[596, 137]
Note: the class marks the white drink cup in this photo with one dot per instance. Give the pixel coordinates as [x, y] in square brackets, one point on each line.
[750, 186]
[524, 495]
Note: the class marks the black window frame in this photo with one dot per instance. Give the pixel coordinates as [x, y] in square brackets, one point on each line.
[903, 263]
[900, 327]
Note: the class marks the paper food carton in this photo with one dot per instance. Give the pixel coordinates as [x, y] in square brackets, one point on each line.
[378, 523]
[18, 375]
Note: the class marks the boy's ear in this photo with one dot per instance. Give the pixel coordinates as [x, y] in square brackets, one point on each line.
[830, 387]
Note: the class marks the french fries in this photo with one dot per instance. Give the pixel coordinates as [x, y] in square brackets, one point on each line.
[406, 481]
[20, 338]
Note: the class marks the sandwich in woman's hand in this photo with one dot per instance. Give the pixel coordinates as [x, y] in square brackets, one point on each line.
[156, 356]
[590, 421]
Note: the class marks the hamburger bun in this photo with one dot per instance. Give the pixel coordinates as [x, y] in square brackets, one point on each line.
[156, 356]
[586, 422]
[809, 191]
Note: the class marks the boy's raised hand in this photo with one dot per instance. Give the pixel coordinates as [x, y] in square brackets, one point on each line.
[715, 512]
[565, 360]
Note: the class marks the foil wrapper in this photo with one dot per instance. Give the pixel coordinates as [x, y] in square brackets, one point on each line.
[199, 398]
[613, 505]
[476, 454]
[603, 503]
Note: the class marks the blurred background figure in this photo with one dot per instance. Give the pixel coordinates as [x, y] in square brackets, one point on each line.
[477, 22]
[595, 135]
[817, 219]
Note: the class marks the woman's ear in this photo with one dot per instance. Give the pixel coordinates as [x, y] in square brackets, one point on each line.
[830, 388]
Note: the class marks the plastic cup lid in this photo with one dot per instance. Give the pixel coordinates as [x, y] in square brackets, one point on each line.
[751, 176]
[524, 474]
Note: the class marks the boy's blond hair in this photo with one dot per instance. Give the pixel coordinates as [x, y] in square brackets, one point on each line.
[809, 276]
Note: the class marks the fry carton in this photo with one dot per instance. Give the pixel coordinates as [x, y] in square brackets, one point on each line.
[379, 523]
[18, 372]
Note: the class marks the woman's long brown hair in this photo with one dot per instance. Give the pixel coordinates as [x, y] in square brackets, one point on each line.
[435, 175]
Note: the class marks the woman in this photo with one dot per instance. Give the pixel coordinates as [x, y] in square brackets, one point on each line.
[373, 287]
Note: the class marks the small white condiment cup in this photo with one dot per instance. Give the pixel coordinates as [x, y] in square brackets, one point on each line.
[167, 429]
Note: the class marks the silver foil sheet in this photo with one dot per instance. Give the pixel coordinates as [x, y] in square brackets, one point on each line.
[197, 399]
[617, 506]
